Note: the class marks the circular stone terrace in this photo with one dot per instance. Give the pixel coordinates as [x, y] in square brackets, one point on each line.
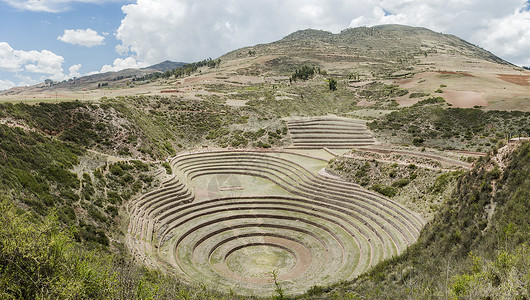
[230, 218]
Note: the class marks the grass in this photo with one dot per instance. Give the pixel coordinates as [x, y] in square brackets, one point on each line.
[459, 253]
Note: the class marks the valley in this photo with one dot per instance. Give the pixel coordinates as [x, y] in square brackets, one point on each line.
[362, 164]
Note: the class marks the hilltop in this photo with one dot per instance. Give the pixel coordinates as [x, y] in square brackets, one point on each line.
[416, 59]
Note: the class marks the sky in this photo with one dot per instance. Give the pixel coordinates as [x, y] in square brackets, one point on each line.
[61, 39]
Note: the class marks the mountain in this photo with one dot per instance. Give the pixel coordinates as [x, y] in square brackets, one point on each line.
[166, 65]
[414, 58]
[397, 45]
[88, 82]
[393, 40]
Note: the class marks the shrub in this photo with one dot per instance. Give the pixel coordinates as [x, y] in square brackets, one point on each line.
[168, 168]
[417, 141]
[116, 170]
[418, 95]
[401, 183]
[304, 73]
[384, 190]
[332, 84]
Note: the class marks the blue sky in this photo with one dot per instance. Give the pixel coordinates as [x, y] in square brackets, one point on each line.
[58, 39]
[27, 30]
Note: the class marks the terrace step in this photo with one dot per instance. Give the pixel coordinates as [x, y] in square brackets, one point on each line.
[326, 228]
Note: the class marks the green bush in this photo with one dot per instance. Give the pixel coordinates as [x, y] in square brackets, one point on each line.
[418, 95]
[401, 183]
[304, 73]
[384, 190]
[116, 170]
[168, 168]
[418, 141]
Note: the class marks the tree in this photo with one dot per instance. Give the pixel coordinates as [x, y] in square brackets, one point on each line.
[332, 84]
[304, 73]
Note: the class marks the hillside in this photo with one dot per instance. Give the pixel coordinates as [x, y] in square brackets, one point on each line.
[476, 247]
[416, 59]
[371, 163]
[91, 82]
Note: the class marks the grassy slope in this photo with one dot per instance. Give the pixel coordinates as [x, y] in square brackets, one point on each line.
[465, 251]
[421, 189]
[60, 233]
[40, 259]
[436, 125]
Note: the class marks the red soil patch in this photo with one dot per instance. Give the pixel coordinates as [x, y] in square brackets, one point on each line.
[522, 80]
[464, 99]
[456, 73]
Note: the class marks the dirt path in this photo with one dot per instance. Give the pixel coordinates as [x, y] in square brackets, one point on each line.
[113, 158]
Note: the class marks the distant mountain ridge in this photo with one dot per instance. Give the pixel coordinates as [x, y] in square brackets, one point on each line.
[91, 81]
[166, 65]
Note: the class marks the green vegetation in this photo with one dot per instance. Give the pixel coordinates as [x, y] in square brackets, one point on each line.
[450, 128]
[431, 100]
[30, 164]
[384, 190]
[423, 189]
[418, 95]
[476, 247]
[304, 73]
[279, 291]
[440, 184]
[37, 172]
[166, 124]
[382, 94]
[41, 259]
[332, 84]
[179, 72]
[60, 234]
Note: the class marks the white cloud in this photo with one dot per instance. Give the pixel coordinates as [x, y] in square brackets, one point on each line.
[6, 84]
[74, 71]
[32, 61]
[53, 6]
[8, 60]
[509, 37]
[121, 64]
[187, 30]
[43, 61]
[44, 64]
[26, 80]
[82, 37]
